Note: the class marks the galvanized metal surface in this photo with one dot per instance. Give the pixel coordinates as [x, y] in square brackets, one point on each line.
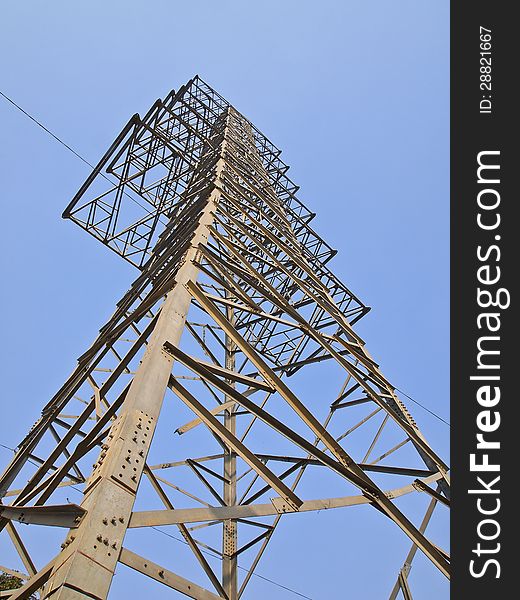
[202, 205]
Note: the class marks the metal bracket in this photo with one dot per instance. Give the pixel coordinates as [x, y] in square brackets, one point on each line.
[60, 515]
[282, 506]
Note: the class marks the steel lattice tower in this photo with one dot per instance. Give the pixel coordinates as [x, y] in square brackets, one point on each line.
[198, 199]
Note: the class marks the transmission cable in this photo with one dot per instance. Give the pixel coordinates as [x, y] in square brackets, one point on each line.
[77, 154]
[424, 407]
[212, 554]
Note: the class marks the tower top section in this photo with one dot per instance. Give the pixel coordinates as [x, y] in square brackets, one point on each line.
[136, 187]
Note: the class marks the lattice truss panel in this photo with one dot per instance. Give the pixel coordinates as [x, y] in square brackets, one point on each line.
[273, 404]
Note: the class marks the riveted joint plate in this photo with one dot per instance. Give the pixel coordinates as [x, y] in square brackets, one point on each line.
[133, 448]
[230, 533]
[282, 505]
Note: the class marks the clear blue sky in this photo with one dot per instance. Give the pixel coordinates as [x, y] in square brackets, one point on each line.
[355, 93]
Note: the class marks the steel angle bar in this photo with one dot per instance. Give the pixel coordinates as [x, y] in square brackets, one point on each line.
[422, 487]
[185, 533]
[376, 437]
[183, 491]
[195, 468]
[251, 543]
[195, 422]
[349, 403]
[34, 583]
[211, 472]
[405, 588]
[168, 578]
[270, 377]
[64, 515]
[413, 550]
[351, 472]
[394, 470]
[65, 483]
[71, 208]
[391, 451]
[20, 548]
[359, 423]
[202, 344]
[233, 442]
[154, 518]
[75, 468]
[228, 374]
[264, 489]
[182, 463]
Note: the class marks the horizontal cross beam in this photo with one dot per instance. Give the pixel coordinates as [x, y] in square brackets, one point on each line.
[150, 518]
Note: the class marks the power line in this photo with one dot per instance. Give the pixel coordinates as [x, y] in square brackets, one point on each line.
[242, 568]
[46, 129]
[77, 154]
[7, 448]
[424, 407]
[33, 462]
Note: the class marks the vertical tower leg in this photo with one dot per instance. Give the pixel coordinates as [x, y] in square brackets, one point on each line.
[229, 528]
[84, 569]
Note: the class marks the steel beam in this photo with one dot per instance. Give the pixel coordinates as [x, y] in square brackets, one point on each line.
[351, 471]
[64, 515]
[218, 513]
[235, 444]
[186, 534]
[164, 576]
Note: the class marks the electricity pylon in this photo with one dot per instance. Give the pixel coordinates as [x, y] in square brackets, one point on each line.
[197, 198]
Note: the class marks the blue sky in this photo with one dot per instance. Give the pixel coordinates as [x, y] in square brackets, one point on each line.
[355, 93]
